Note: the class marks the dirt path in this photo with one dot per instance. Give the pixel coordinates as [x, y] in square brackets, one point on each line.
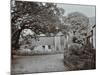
[41, 63]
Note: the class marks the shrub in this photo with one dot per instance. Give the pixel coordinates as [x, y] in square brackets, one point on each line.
[81, 57]
[75, 49]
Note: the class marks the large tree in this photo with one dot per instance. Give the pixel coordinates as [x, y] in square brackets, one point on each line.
[78, 24]
[37, 16]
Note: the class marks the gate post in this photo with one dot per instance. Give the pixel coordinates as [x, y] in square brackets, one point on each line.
[66, 50]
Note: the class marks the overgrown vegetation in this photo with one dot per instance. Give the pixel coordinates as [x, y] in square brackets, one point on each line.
[81, 58]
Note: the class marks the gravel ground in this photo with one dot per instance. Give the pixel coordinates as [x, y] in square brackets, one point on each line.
[38, 63]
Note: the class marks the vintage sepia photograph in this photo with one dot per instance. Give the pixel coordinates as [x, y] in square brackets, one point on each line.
[52, 37]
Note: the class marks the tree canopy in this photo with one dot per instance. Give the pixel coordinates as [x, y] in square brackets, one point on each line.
[78, 23]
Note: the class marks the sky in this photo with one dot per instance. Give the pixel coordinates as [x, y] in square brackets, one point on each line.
[88, 10]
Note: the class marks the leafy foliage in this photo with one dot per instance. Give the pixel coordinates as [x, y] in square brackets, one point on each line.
[37, 16]
[78, 25]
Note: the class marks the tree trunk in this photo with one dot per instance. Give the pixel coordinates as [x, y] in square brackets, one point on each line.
[15, 39]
